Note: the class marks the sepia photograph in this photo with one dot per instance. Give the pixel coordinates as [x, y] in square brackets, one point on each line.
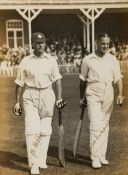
[63, 87]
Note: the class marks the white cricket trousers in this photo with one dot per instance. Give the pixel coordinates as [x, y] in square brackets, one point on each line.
[100, 99]
[38, 108]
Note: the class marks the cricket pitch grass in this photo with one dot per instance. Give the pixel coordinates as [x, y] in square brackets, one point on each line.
[13, 159]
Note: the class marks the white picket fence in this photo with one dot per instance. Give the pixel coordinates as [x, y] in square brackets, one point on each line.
[71, 69]
[124, 66]
[64, 69]
[68, 69]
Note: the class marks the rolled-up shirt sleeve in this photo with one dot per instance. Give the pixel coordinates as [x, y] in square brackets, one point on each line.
[20, 77]
[116, 71]
[55, 72]
[84, 70]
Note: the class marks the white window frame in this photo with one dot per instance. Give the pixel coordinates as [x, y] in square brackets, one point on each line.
[14, 29]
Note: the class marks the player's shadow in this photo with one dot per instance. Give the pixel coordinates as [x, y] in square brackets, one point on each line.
[12, 160]
[69, 158]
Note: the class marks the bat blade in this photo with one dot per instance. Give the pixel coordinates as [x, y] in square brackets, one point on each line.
[78, 131]
[61, 146]
[77, 137]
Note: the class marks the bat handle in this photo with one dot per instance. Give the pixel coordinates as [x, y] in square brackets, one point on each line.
[82, 112]
[60, 117]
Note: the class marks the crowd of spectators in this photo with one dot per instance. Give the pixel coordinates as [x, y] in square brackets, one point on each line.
[119, 48]
[66, 49]
[10, 58]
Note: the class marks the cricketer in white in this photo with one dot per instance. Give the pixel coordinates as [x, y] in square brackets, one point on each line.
[98, 71]
[36, 73]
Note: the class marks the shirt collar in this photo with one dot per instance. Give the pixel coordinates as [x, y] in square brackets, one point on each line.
[45, 55]
[94, 56]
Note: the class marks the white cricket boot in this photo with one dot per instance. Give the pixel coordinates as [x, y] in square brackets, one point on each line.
[96, 163]
[35, 170]
[43, 166]
[103, 160]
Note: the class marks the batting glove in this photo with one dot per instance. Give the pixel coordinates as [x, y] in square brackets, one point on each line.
[83, 102]
[60, 104]
[17, 110]
[120, 100]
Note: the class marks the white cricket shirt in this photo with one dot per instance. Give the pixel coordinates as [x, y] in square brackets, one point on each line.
[37, 72]
[105, 69]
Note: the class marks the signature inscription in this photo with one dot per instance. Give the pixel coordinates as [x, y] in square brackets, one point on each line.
[35, 145]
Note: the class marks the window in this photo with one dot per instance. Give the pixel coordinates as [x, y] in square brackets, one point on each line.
[15, 33]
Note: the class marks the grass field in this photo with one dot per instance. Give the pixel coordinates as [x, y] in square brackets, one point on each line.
[13, 160]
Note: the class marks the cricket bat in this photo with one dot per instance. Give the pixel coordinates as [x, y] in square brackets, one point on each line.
[61, 140]
[78, 131]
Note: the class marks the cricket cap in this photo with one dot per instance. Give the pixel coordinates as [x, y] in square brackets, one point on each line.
[38, 37]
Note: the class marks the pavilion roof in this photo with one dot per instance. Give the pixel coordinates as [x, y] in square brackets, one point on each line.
[63, 4]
